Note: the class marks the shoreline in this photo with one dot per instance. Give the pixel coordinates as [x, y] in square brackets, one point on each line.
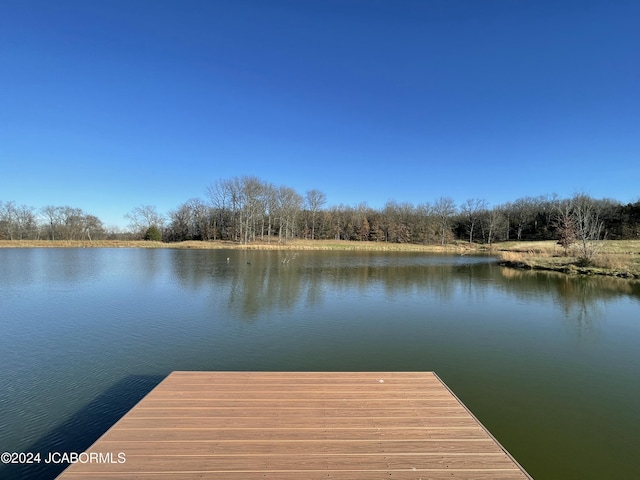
[325, 245]
[615, 258]
[570, 268]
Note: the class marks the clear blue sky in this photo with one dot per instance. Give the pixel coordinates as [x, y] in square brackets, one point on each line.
[106, 105]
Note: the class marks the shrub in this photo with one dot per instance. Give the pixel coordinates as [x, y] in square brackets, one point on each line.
[584, 262]
[153, 234]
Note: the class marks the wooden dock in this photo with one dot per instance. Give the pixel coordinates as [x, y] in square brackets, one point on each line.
[302, 426]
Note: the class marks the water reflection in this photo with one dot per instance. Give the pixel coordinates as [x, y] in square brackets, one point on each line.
[258, 283]
[38, 265]
[254, 284]
[581, 299]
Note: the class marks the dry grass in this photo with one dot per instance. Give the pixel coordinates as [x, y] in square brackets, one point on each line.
[346, 245]
[546, 247]
[628, 247]
[342, 245]
[79, 244]
[616, 258]
[611, 261]
[514, 257]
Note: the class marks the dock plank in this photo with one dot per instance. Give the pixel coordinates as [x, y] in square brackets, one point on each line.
[285, 425]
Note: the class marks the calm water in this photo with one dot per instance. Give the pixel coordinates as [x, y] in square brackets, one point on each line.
[549, 363]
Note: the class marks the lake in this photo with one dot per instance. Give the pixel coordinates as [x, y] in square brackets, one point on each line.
[548, 362]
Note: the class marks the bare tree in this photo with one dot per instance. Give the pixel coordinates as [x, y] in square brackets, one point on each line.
[423, 223]
[200, 225]
[270, 201]
[252, 205]
[62, 223]
[400, 221]
[565, 225]
[444, 209]
[315, 201]
[223, 198]
[27, 223]
[522, 212]
[547, 207]
[179, 225]
[71, 224]
[142, 217]
[336, 220]
[588, 225]
[289, 205]
[391, 214]
[496, 224]
[8, 225]
[240, 205]
[53, 217]
[92, 227]
[472, 210]
[236, 200]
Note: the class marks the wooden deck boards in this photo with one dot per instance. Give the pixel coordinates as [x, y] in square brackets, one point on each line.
[302, 425]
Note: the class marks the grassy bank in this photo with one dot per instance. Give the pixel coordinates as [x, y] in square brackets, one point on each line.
[342, 245]
[620, 258]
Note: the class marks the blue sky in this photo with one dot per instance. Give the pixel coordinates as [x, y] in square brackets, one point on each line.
[108, 105]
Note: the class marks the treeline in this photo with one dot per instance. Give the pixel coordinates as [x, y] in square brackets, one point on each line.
[245, 209]
[21, 222]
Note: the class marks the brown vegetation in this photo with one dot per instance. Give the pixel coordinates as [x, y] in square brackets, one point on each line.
[619, 258]
[460, 247]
